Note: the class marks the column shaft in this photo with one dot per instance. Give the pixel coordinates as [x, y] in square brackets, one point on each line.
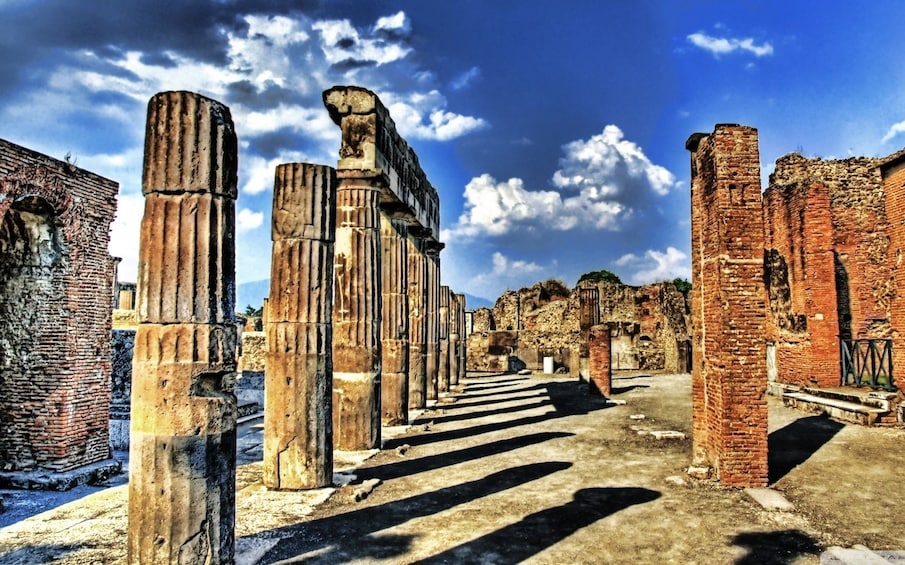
[298, 427]
[183, 435]
[394, 378]
[443, 361]
[357, 316]
[432, 314]
[417, 296]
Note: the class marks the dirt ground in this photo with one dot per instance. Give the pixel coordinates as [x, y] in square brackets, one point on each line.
[531, 469]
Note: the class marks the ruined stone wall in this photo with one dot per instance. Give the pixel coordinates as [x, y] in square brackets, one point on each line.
[647, 322]
[56, 284]
[483, 320]
[893, 175]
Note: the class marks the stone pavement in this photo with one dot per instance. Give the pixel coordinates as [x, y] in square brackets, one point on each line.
[530, 469]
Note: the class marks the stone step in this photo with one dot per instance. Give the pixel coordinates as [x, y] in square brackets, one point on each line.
[873, 398]
[839, 409]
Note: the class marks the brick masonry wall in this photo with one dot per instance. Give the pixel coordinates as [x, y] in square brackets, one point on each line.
[893, 178]
[728, 306]
[56, 284]
[801, 275]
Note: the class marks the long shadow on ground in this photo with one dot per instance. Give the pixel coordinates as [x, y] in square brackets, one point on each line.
[792, 445]
[345, 537]
[536, 532]
[409, 467]
[495, 412]
[567, 398]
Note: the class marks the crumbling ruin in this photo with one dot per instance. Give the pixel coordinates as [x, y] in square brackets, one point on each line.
[56, 285]
[649, 326]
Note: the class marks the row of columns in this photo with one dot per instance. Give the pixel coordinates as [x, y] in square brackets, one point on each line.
[356, 330]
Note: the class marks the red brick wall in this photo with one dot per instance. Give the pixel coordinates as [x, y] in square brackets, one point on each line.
[801, 279]
[728, 306]
[894, 187]
[55, 309]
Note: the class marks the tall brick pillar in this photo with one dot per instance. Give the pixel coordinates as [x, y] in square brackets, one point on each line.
[298, 427]
[357, 314]
[600, 374]
[183, 431]
[443, 376]
[432, 313]
[729, 376]
[417, 302]
[394, 383]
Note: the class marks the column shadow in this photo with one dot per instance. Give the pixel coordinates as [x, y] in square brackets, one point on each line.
[792, 445]
[40, 554]
[495, 412]
[462, 401]
[409, 467]
[567, 398]
[775, 548]
[341, 538]
[536, 532]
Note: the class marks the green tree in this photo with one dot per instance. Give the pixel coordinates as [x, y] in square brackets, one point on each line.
[682, 284]
[250, 311]
[601, 275]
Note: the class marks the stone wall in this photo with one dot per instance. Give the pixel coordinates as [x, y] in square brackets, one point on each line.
[647, 322]
[56, 289]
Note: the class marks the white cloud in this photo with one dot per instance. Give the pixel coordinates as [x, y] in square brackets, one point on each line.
[465, 79]
[409, 113]
[125, 234]
[725, 45]
[894, 130]
[247, 220]
[341, 42]
[506, 273]
[601, 184]
[256, 175]
[398, 23]
[656, 266]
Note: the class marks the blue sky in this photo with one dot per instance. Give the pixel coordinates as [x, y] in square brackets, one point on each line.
[553, 131]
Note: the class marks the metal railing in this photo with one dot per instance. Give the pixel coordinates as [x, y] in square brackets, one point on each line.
[867, 362]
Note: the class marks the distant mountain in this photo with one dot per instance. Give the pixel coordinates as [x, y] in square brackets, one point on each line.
[253, 294]
[474, 302]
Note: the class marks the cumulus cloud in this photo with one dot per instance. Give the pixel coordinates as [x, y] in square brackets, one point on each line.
[343, 44]
[656, 266]
[894, 130]
[247, 220]
[505, 272]
[601, 184]
[726, 45]
[424, 116]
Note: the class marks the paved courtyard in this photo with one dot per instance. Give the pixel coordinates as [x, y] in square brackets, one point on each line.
[515, 469]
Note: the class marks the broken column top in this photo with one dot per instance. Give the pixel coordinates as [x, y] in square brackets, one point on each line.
[190, 146]
[371, 147]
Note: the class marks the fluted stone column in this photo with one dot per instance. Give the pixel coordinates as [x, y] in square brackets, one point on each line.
[394, 383]
[432, 313]
[453, 339]
[182, 460]
[417, 297]
[357, 315]
[460, 302]
[443, 312]
[298, 426]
